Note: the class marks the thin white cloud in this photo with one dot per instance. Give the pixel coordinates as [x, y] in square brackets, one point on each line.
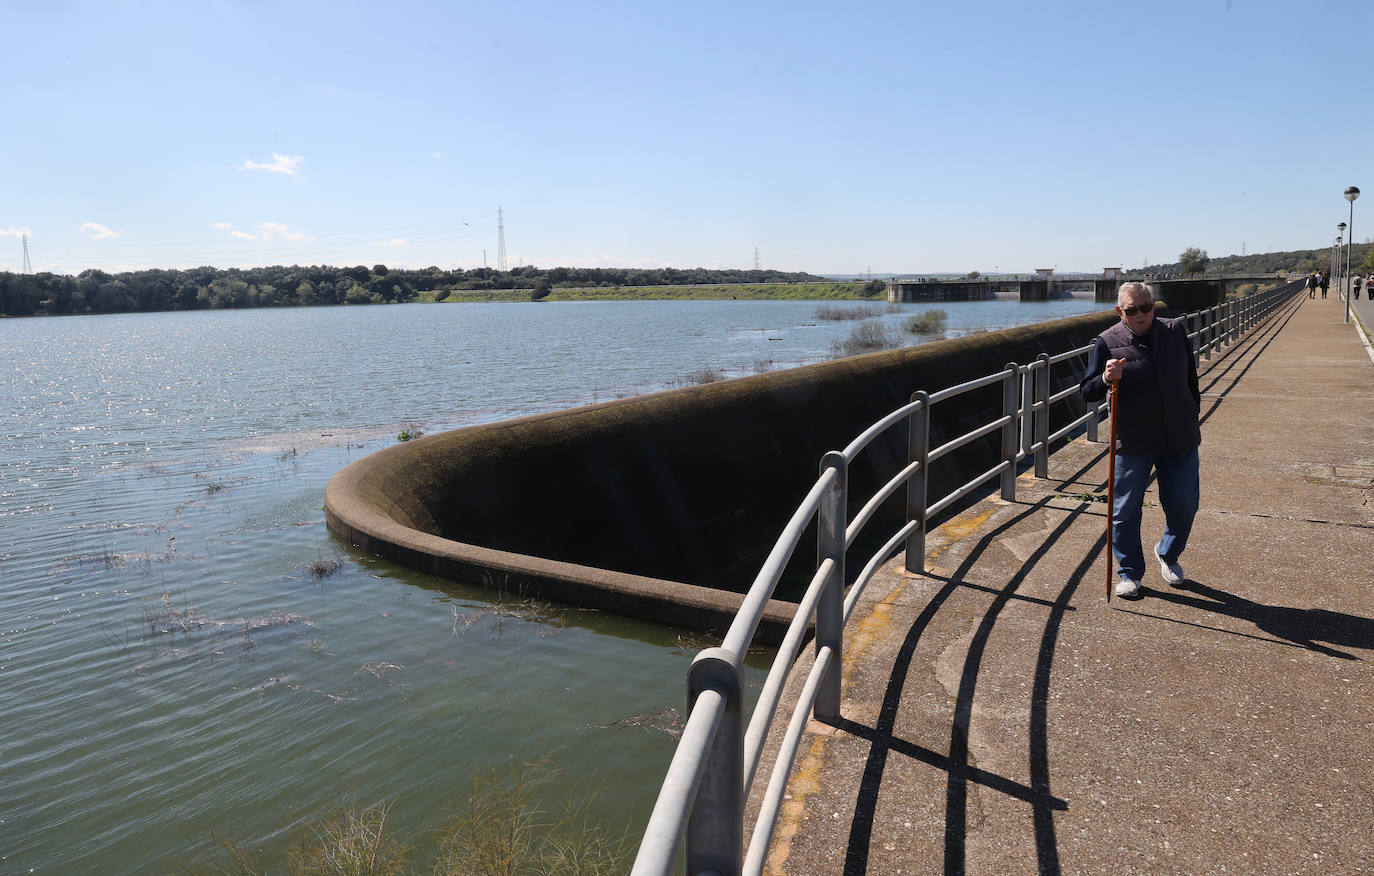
[222, 226]
[269, 231]
[15, 232]
[438, 155]
[98, 231]
[276, 229]
[286, 164]
[393, 242]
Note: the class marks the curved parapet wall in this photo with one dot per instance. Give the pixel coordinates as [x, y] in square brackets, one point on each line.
[664, 506]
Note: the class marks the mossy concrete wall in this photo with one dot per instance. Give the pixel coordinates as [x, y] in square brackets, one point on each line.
[1186, 296]
[664, 506]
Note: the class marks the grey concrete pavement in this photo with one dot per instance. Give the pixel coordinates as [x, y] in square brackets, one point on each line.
[1000, 716]
[1362, 309]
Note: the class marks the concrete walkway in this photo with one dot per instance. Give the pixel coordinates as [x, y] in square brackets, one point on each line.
[1001, 717]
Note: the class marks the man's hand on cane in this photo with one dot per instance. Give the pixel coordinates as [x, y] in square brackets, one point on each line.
[1112, 373]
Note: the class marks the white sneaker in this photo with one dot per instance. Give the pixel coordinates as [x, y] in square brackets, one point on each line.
[1127, 587]
[1171, 572]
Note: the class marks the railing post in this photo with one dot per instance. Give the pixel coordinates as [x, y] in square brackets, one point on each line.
[1196, 333]
[1009, 432]
[1026, 425]
[1235, 321]
[1042, 423]
[1096, 408]
[715, 829]
[830, 526]
[918, 450]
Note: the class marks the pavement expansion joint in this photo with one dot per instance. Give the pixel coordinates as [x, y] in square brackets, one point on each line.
[1294, 519]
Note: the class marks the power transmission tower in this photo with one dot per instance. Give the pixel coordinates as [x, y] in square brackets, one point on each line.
[28, 268]
[501, 242]
[756, 258]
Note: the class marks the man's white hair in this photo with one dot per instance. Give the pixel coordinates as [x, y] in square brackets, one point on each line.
[1131, 289]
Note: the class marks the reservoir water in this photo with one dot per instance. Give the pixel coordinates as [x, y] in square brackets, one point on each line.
[186, 653]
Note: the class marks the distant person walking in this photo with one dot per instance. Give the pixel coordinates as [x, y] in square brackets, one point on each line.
[1324, 282]
[1355, 287]
[1157, 411]
[1312, 286]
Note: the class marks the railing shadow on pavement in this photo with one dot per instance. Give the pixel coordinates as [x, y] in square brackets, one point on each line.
[1247, 352]
[960, 772]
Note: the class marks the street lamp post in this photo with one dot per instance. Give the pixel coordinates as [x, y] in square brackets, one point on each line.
[1351, 194]
[1340, 257]
[1335, 255]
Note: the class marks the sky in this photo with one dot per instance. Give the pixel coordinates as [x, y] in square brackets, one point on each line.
[825, 137]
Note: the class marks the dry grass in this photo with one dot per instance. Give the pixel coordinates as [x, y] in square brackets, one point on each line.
[505, 828]
[932, 322]
[350, 842]
[697, 378]
[867, 337]
[839, 313]
[323, 568]
[666, 721]
[509, 608]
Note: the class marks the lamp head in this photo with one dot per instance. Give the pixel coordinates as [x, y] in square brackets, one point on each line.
[1352, 193]
[1341, 228]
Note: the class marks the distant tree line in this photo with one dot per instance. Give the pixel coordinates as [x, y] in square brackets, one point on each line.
[95, 291]
[1293, 263]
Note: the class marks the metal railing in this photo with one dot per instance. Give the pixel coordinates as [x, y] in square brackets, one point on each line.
[702, 800]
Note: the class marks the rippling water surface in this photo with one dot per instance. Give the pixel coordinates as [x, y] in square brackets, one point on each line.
[171, 668]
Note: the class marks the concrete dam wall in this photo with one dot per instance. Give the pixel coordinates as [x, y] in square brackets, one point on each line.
[664, 506]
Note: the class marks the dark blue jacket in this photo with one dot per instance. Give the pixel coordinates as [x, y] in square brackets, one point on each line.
[1157, 410]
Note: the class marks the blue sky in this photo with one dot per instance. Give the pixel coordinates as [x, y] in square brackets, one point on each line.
[834, 138]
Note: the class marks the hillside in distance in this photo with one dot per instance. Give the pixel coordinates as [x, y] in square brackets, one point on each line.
[1261, 264]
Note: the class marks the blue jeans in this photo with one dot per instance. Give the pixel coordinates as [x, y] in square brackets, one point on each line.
[1179, 494]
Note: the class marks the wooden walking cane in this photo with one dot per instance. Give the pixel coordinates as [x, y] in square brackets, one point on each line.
[1111, 476]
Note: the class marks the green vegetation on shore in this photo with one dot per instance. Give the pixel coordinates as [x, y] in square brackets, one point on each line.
[95, 291]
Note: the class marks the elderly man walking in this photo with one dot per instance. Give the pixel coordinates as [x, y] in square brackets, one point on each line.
[1157, 430]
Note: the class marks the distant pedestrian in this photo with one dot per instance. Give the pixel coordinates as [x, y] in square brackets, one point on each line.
[1355, 287]
[1324, 282]
[1312, 286]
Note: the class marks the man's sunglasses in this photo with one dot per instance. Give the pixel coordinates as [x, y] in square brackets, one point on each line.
[1133, 309]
